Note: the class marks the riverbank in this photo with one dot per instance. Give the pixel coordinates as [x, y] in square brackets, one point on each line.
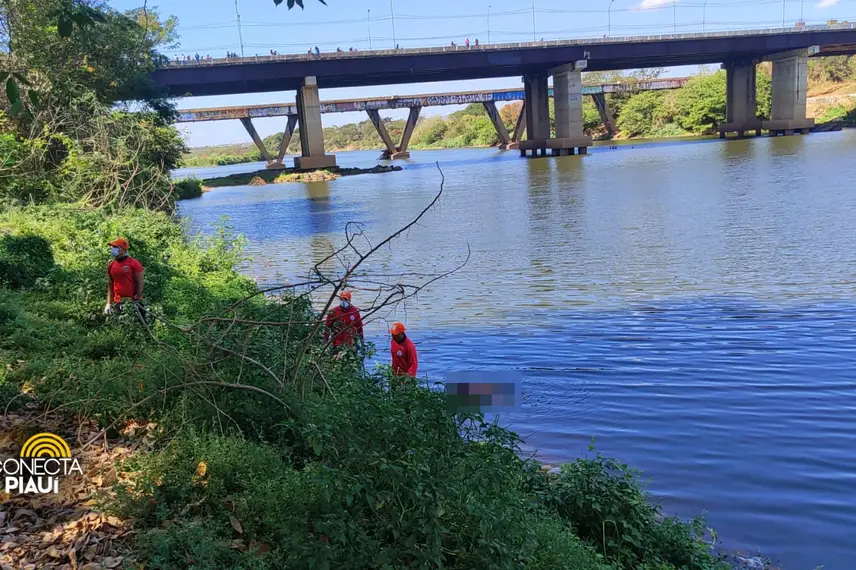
[268, 454]
[269, 176]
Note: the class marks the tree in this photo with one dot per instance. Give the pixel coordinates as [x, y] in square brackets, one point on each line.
[764, 94]
[509, 113]
[160, 33]
[835, 69]
[699, 107]
[112, 59]
[642, 113]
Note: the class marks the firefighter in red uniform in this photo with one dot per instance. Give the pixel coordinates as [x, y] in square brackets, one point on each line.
[344, 324]
[124, 279]
[404, 361]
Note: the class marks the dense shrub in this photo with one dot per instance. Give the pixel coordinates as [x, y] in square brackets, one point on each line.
[188, 188]
[604, 501]
[642, 114]
[23, 259]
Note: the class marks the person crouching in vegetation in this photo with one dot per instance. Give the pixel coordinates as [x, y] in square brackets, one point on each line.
[124, 279]
[345, 325]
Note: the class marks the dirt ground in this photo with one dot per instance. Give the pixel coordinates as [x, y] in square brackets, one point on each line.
[65, 531]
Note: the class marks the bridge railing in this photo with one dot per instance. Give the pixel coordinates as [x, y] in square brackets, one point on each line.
[504, 46]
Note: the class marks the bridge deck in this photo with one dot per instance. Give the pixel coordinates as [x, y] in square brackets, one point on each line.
[420, 65]
[409, 101]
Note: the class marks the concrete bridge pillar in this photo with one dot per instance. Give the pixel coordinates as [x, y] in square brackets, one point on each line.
[568, 101]
[311, 130]
[741, 103]
[790, 84]
[537, 108]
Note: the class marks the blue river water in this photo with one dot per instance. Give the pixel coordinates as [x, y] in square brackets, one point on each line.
[692, 306]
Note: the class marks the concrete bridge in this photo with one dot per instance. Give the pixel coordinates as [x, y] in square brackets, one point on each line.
[564, 60]
[414, 103]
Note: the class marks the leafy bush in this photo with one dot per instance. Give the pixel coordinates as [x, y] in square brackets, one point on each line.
[834, 113]
[188, 188]
[836, 69]
[604, 501]
[642, 114]
[699, 106]
[764, 93]
[23, 259]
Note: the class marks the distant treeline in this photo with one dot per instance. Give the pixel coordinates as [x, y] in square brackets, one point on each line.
[695, 109]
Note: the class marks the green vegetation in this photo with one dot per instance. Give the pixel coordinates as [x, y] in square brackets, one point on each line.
[268, 453]
[836, 69]
[316, 467]
[188, 188]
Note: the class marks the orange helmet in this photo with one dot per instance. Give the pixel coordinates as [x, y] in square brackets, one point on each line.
[345, 295]
[119, 242]
[397, 328]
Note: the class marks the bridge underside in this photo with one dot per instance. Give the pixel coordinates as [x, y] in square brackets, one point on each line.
[354, 70]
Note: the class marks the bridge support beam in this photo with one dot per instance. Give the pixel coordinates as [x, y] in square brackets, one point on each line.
[377, 121]
[568, 101]
[501, 131]
[251, 130]
[605, 115]
[790, 84]
[311, 129]
[519, 129]
[409, 127]
[283, 145]
[393, 152]
[741, 103]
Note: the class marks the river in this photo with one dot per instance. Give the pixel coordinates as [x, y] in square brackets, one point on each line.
[692, 306]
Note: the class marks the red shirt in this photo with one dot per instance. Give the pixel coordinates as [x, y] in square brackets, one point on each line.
[122, 272]
[404, 357]
[344, 325]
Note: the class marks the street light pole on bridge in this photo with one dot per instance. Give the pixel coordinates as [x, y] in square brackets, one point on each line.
[240, 34]
[392, 12]
[488, 24]
[675, 16]
[370, 29]
[704, 17]
[533, 20]
[609, 19]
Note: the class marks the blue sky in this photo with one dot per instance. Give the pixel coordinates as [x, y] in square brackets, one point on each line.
[210, 27]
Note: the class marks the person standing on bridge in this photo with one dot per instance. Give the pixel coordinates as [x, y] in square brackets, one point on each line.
[344, 324]
[468, 42]
[404, 359]
[317, 51]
